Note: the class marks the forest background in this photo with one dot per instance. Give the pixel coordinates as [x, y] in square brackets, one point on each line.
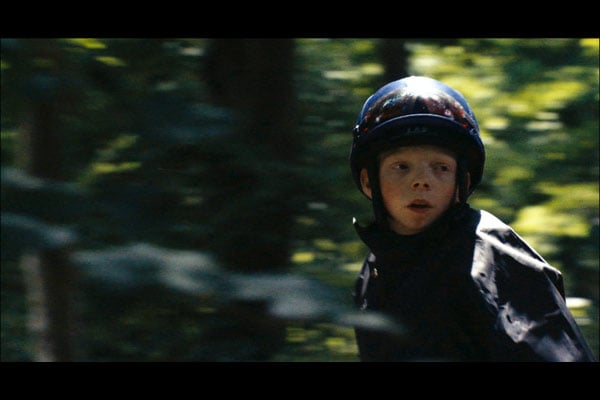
[191, 199]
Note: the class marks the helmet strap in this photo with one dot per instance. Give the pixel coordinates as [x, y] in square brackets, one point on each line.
[462, 181]
[379, 210]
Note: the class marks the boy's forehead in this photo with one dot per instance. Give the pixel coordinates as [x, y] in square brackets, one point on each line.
[426, 150]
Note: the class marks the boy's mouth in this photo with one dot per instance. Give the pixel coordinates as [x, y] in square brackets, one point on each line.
[419, 204]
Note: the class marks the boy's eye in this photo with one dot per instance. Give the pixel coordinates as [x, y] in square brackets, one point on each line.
[401, 166]
[443, 167]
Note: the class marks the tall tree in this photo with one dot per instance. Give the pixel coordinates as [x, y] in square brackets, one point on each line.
[394, 57]
[49, 277]
[253, 177]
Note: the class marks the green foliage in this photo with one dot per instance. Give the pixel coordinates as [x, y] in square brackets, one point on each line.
[149, 159]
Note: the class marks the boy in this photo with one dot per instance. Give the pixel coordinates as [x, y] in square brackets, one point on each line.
[462, 284]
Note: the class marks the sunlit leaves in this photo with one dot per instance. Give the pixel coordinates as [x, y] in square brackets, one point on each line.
[302, 257]
[88, 43]
[544, 220]
[586, 195]
[511, 173]
[111, 61]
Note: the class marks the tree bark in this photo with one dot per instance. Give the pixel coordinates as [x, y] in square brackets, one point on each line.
[254, 190]
[49, 277]
[394, 58]
[50, 283]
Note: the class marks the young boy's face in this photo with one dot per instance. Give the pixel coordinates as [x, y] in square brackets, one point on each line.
[418, 184]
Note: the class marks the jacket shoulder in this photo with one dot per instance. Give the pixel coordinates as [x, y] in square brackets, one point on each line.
[525, 294]
[494, 234]
[501, 254]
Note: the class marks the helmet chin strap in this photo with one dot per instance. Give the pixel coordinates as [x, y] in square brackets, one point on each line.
[379, 210]
[462, 180]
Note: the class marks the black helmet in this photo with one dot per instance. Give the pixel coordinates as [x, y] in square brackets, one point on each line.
[417, 110]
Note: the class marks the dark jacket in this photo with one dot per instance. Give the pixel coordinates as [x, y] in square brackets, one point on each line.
[467, 289]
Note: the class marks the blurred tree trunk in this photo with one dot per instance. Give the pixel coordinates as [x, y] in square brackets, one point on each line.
[254, 188]
[253, 182]
[49, 278]
[394, 58]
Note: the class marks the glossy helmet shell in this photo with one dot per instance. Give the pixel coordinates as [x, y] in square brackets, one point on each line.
[412, 111]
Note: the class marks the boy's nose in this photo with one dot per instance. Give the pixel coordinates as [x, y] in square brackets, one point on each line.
[420, 184]
[421, 181]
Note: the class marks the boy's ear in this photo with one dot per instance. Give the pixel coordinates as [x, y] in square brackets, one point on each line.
[365, 184]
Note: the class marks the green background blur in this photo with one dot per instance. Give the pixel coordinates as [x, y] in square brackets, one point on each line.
[197, 198]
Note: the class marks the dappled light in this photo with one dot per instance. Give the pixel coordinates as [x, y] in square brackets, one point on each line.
[191, 199]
